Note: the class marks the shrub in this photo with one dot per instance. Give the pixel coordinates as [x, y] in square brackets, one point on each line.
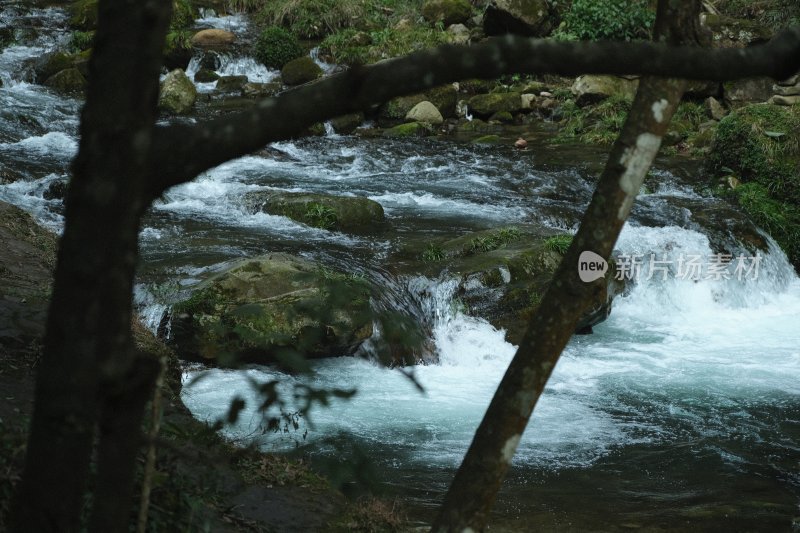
[619, 20]
[183, 14]
[275, 47]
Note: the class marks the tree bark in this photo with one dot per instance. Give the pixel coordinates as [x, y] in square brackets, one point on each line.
[87, 347]
[472, 493]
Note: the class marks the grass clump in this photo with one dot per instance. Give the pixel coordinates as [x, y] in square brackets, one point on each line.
[275, 47]
[320, 216]
[312, 19]
[492, 241]
[433, 253]
[351, 46]
[81, 40]
[599, 124]
[780, 219]
[559, 243]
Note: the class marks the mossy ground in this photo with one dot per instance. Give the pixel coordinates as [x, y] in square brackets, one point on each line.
[760, 146]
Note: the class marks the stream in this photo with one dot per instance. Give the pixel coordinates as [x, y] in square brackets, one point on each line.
[681, 410]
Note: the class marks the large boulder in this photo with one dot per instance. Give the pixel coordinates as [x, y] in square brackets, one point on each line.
[178, 93]
[521, 17]
[342, 213]
[213, 38]
[272, 309]
[591, 88]
[486, 105]
[347, 124]
[229, 84]
[447, 11]
[300, 70]
[748, 91]
[425, 112]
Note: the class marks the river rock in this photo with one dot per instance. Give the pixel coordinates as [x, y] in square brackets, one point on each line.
[340, 213]
[273, 309]
[522, 17]
[410, 129]
[715, 108]
[300, 70]
[729, 32]
[51, 64]
[347, 124]
[231, 84]
[786, 90]
[591, 88]
[748, 90]
[178, 93]
[260, 90]
[444, 97]
[486, 105]
[785, 100]
[504, 273]
[459, 34]
[213, 38]
[205, 75]
[446, 11]
[68, 81]
[425, 112]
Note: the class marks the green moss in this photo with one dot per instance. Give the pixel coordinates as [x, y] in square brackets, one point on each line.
[81, 40]
[559, 243]
[83, 14]
[300, 70]
[412, 129]
[446, 12]
[275, 47]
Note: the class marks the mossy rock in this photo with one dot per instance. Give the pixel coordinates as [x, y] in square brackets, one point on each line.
[412, 129]
[83, 14]
[486, 105]
[502, 116]
[341, 213]
[447, 11]
[520, 17]
[228, 84]
[506, 271]
[300, 70]
[727, 32]
[51, 64]
[273, 309]
[205, 75]
[67, 81]
[178, 93]
[444, 97]
[760, 145]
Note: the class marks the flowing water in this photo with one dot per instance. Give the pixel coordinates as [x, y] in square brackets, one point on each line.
[681, 410]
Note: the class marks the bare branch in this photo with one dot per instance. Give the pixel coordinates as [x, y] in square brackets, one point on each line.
[180, 152]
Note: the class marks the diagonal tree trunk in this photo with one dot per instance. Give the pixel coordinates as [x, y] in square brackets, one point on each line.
[472, 493]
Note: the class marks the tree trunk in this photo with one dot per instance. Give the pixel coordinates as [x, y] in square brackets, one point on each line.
[472, 493]
[87, 347]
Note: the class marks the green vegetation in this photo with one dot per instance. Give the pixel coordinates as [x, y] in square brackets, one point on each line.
[276, 47]
[370, 515]
[81, 40]
[760, 145]
[312, 19]
[559, 243]
[619, 20]
[183, 14]
[599, 124]
[433, 253]
[351, 46]
[492, 241]
[320, 216]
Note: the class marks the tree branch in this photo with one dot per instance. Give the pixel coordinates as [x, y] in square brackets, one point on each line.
[181, 152]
